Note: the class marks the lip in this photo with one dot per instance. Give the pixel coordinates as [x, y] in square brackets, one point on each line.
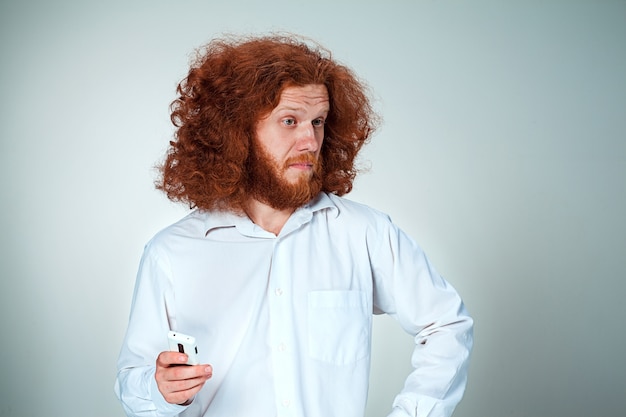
[302, 165]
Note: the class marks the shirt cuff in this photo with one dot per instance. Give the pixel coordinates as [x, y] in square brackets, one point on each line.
[406, 407]
[398, 412]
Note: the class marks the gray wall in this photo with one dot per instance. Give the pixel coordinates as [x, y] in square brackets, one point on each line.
[503, 152]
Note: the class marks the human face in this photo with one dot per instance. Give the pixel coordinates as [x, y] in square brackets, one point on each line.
[285, 169]
[293, 132]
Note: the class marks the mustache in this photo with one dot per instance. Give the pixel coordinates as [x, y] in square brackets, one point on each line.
[307, 158]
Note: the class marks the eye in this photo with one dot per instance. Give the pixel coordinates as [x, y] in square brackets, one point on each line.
[289, 122]
[318, 122]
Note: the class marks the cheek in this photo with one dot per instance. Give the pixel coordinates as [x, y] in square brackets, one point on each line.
[274, 142]
[281, 150]
[319, 136]
[320, 142]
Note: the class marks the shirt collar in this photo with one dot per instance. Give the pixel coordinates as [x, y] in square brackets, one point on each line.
[321, 202]
[218, 219]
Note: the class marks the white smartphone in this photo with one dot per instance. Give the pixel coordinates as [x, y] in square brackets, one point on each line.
[184, 344]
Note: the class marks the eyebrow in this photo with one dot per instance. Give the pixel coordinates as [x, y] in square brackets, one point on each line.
[298, 109]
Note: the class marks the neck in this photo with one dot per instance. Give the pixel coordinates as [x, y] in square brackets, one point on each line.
[267, 217]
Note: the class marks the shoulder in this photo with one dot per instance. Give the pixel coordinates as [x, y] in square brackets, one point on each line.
[358, 219]
[190, 227]
[376, 225]
[349, 210]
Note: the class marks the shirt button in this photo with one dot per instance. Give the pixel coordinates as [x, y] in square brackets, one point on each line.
[278, 292]
[286, 403]
[282, 347]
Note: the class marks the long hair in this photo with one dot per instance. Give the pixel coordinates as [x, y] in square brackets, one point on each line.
[231, 85]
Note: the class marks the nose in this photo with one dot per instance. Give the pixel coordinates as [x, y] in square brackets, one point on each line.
[307, 139]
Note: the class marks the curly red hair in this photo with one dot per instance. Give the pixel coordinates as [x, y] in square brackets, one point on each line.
[232, 84]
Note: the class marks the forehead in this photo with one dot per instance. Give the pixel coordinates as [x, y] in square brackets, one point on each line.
[308, 95]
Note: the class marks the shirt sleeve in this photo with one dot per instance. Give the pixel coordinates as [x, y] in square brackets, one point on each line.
[145, 338]
[408, 288]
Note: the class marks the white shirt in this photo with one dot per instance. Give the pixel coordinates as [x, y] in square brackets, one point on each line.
[286, 320]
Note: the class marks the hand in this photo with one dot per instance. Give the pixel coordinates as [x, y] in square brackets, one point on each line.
[177, 382]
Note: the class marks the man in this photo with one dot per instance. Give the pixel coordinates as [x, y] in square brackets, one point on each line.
[274, 273]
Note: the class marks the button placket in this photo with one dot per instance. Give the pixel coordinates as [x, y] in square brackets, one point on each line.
[280, 330]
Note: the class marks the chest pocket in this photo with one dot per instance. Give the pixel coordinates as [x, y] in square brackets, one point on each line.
[339, 326]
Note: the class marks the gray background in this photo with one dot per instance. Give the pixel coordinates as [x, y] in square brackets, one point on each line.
[502, 152]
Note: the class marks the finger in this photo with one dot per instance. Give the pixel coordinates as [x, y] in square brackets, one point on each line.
[176, 382]
[181, 385]
[166, 376]
[166, 359]
[182, 397]
[179, 391]
[187, 372]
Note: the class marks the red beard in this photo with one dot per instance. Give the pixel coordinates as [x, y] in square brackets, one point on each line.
[268, 185]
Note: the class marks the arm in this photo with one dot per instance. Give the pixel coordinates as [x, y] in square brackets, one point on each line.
[408, 288]
[148, 383]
